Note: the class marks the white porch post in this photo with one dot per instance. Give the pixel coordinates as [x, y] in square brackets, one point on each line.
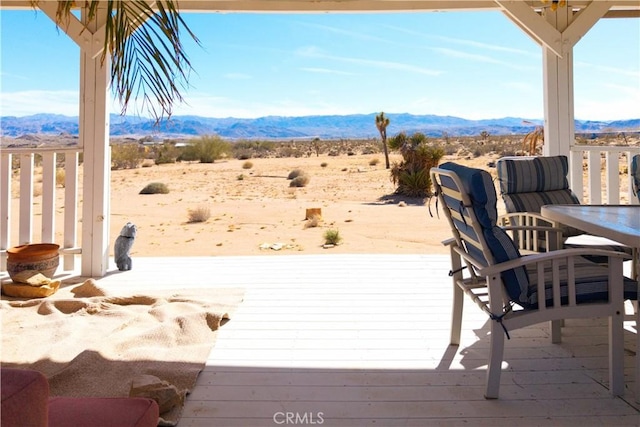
[94, 137]
[559, 129]
[557, 32]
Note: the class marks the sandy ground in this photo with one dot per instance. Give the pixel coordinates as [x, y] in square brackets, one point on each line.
[261, 210]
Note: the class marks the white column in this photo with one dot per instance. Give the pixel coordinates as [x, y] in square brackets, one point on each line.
[559, 129]
[94, 138]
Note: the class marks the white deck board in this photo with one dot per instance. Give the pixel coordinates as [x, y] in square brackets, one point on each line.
[362, 340]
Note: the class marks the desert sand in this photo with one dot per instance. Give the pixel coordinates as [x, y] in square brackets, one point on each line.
[261, 212]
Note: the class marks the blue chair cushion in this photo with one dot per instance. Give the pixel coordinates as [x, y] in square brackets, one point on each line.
[528, 183]
[549, 172]
[479, 186]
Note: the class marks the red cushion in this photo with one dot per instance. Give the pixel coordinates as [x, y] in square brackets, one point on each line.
[24, 398]
[103, 412]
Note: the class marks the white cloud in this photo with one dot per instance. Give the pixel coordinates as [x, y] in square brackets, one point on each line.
[634, 73]
[30, 102]
[326, 71]
[343, 32]
[621, 107]
[314, 52]
[480, 58]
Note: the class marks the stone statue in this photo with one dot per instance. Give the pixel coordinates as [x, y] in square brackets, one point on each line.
[122, 247]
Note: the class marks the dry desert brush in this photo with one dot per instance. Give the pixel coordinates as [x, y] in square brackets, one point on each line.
[299, 181]
[298, 178]
[200, 214]
[155, 188]
[295, 173]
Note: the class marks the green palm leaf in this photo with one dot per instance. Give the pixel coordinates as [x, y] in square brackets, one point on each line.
[148, 59]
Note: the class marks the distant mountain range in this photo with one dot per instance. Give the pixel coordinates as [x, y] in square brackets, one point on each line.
[307, 127]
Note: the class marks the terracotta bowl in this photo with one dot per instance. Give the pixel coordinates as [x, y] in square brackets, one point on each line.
[41, 257]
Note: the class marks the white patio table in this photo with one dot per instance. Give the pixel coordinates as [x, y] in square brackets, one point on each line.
[620, 223]
[616, 222]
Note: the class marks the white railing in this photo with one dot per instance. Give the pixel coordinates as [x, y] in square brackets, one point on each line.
[597, 163]
[21, 162]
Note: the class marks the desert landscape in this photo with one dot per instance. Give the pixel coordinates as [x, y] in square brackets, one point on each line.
[249, 207]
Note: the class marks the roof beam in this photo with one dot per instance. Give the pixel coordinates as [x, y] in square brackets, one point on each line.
[533, 24]
[557, 40]
[92, 43]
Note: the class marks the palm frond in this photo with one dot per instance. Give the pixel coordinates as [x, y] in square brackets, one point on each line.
[144, 43]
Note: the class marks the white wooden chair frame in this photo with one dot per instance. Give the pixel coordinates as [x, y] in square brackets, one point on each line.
[483, 283]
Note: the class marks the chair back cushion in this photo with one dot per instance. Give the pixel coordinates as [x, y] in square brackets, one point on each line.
[528, 183]
[635, 175]
[532, 174]
[479, 187]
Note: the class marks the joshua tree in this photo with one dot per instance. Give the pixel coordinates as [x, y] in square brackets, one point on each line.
[381, 123]
[147, 56]
[484, 135]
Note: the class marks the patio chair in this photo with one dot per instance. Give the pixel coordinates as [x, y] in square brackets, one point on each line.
[529, 182]
[635, 175]
[487, 265]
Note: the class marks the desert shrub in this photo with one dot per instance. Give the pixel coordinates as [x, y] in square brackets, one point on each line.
[206, 149]
[166, 153]
[413, 183]
[240, 177]
[60, 177]
[374, 161]
[126, 156]
[244, 149]
[324, 164]
[299, 181]
[200, 214]
[295, 173]
[242, 155]
[247, 165]
[411, 175]
[332, 237]
[155, 188]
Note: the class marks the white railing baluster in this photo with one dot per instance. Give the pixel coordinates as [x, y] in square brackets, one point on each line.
[26, 210]
[593, 178]
[612, 177]
[576, 181]
[70, 249]
[48, 197]
[613, 155]
[5, 206]
[25, 234]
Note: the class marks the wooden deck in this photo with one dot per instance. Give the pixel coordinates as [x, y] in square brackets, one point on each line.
[362, 340]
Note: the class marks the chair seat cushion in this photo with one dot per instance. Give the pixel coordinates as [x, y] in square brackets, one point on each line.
[592, 284]
[103, 412]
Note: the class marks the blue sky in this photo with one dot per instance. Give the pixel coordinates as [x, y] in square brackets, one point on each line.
[469, 64]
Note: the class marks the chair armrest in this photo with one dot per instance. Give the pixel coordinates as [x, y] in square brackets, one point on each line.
[548, 256]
